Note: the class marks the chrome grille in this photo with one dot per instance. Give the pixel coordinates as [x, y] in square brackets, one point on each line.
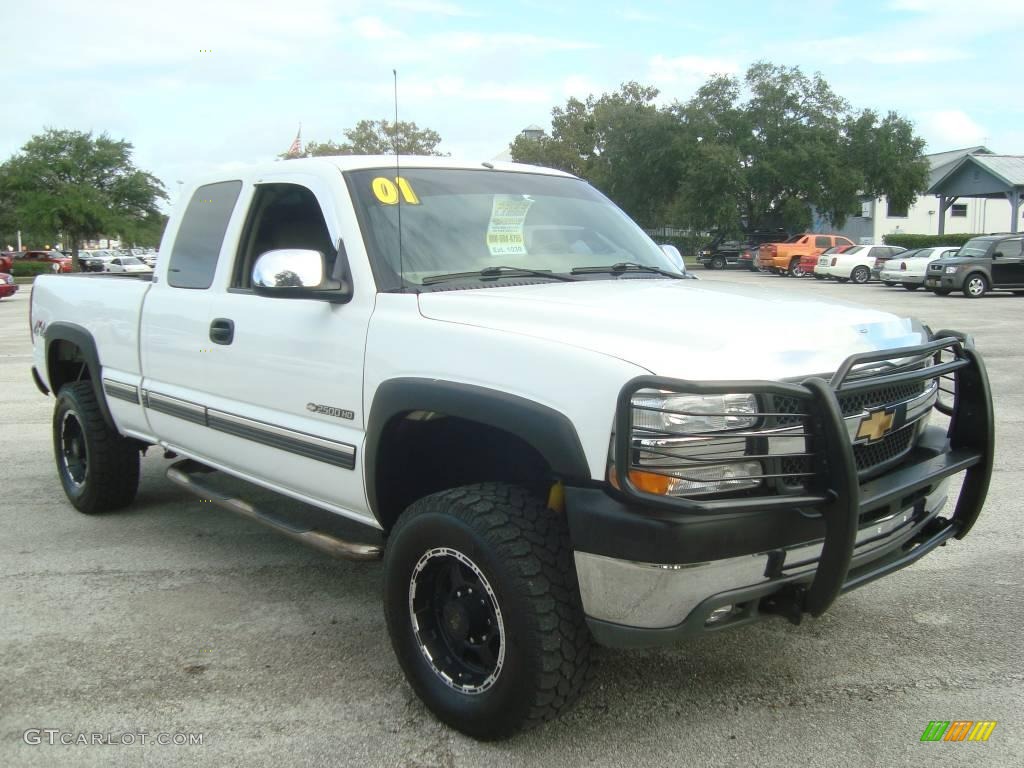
[857, 402]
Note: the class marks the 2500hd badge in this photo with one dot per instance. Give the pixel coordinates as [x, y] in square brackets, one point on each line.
[539, 454]
[329, 410]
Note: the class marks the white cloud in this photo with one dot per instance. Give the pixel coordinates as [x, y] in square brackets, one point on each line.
[632, 14]
[580, 86]
[664, 70]
[432, 7]
[950, 128]
[374, 28]
[508, 42]
[459, 89]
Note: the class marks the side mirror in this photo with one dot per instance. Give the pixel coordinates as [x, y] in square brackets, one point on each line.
[998, 255]
[675, 256]
[300, 273]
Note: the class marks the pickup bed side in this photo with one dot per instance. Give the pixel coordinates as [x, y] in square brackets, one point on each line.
[87, 326]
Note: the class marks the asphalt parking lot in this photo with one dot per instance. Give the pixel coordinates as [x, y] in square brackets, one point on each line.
[174, 617]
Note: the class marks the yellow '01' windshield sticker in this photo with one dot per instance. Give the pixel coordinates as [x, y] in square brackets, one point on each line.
[387, 191]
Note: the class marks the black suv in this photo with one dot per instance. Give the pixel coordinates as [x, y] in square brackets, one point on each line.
[981, 264]
[723, 252]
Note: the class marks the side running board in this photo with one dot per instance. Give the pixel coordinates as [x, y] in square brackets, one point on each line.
[225, 491]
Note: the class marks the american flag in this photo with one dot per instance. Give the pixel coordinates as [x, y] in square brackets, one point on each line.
[296, 148]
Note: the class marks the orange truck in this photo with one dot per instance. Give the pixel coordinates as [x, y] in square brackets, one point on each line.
[784, 258]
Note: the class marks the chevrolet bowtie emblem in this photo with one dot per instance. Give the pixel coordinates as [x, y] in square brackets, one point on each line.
[875, 425]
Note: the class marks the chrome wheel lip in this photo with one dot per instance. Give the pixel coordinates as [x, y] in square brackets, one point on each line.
[492, 678]
[78, 448]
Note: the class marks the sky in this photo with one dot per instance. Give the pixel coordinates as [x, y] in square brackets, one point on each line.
[210, 85]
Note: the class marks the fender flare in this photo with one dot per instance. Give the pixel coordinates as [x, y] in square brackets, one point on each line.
[548, 431]
[81, 338]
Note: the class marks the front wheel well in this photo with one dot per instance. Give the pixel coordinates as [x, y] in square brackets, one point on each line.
[421, 452]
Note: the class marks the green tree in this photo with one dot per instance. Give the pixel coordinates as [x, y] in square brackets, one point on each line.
[621, 142]
[764, 151]
[79, 185]
[378, 137]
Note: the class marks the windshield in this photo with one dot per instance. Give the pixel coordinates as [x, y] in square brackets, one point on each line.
[466, 220]
[975, 247]
[129, 260]
[794, 239]
[854, 249]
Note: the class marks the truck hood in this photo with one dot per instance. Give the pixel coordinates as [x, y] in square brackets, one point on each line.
[683, 328]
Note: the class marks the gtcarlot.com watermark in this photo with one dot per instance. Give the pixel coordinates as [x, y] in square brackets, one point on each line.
[55, 737]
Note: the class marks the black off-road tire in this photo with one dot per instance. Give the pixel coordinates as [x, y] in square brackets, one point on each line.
[110, 479]
[911, 286]
[522, 549]
[941, 291]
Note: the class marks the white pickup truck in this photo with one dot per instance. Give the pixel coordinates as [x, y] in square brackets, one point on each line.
[493, 379]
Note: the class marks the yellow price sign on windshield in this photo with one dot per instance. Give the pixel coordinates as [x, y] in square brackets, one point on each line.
[387, 191]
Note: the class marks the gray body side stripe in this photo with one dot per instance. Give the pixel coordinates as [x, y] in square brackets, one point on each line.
[173, 406]
[121, 391]
[310, 446]
[318, 448]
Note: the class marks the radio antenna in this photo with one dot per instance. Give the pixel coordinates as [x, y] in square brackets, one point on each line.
[398, 175]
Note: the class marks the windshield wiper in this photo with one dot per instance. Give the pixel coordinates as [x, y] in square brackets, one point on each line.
[496, 272]
[626, 266]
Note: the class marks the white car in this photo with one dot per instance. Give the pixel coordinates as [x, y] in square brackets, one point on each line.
[127, 264]
[855, 264]
[909, 270]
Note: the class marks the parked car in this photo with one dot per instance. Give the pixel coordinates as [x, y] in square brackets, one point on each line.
[880, 259]
[980, 265]
[7, 260]
[909, 268]
[809, 263]
[428, 412]
[127, 264]
[94, 261]
[7, 285]
[855, 263]
[59, 262]
[723, 252]
[784, 258]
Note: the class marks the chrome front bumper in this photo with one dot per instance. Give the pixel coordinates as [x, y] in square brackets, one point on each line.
[662, 596]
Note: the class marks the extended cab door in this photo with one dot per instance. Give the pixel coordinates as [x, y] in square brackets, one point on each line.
[284, 376]
[174, 337]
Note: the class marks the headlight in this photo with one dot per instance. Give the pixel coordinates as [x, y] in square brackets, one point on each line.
[685, 445]
[689, 414]
[952, 270]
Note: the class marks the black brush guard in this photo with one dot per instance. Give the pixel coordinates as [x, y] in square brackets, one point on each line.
[836, 491]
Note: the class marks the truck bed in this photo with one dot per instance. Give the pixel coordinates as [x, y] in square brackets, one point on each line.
[108, 306]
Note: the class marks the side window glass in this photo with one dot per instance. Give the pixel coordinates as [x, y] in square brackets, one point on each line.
[823, 242]
[1011, 248]
[282, 216]
[201, 234]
